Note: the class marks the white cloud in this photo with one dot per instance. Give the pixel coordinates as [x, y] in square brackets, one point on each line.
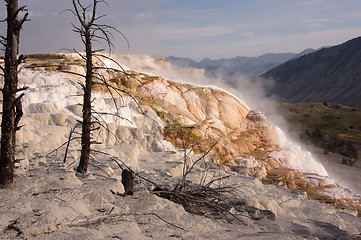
[311, 2]
[314, 23]
[168, 27]
[37, 14]
[260, 45]
[296, 42]
[191, 46]
[145, 15]
[246, 34]
[194, 33]
[317, 20]
[351, 15]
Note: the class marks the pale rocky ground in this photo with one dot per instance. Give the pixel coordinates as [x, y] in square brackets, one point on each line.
[50, 201]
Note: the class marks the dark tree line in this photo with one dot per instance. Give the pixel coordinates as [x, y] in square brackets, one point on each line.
[333, 143]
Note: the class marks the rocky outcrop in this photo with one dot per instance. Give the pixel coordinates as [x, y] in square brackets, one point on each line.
[201, 116]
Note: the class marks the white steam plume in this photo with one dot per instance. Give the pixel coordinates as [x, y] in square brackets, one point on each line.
[249, 90]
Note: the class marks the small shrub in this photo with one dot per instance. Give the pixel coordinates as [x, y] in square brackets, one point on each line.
[348, 161]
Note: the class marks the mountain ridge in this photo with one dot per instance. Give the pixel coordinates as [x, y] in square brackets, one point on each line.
[330, 74]
[239, 64]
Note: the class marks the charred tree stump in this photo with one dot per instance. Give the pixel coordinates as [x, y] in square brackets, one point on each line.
[127, 181]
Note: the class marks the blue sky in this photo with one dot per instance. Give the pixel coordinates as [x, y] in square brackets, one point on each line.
[200, 28]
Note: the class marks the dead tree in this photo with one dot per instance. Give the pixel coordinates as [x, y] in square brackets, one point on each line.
[89, 30]
[12, 110]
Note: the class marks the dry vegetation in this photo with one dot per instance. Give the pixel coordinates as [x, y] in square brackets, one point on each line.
[330, 118]
[52, 61]
[335, 127]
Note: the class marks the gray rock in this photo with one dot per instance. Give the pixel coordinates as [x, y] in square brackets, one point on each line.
[123, 133]
[76, 109]
[137, 133]
[42, 108]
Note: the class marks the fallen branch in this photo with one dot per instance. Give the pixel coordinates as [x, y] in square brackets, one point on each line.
[115, 218]
[204, 201]
[12, 226]
[68, 143]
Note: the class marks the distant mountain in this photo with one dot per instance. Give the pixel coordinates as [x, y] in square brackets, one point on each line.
[305, 52]
[182, 62]
[330, 74]
[237, 65]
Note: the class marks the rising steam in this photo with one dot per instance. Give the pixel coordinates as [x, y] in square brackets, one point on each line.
[248, 90]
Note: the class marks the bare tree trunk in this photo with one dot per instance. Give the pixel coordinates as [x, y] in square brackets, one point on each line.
[86, 127]
[12, 110]
[88, 30]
